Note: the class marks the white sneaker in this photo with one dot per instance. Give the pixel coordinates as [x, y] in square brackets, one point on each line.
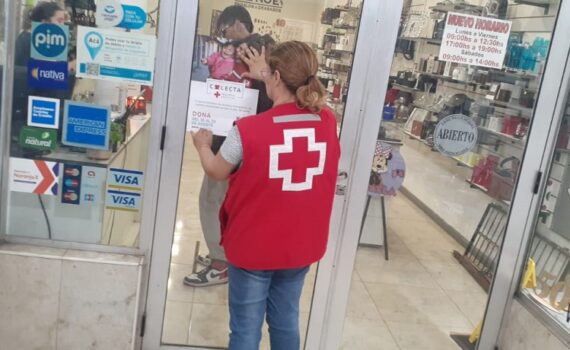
[207, 277]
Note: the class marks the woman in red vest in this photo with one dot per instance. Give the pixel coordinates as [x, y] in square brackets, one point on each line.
[282, 168]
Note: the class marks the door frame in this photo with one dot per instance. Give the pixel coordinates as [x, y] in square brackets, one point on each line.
[550, 103]
[379, 24]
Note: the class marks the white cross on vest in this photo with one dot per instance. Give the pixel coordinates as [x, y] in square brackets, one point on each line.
[287, 174]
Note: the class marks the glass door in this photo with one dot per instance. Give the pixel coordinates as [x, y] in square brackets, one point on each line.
[187, 300]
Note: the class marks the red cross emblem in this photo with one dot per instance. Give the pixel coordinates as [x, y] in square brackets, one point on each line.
[284, 159]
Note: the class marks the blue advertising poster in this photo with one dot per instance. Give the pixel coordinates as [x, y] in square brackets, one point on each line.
[111, 13]
[49, 41]
[86, 125]
[47, 75]
[43, 112]
[71, 184]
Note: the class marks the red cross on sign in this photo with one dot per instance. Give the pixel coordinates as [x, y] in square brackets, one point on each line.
[284, 162]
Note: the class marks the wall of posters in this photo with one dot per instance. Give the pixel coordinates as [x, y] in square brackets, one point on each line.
[114, 55]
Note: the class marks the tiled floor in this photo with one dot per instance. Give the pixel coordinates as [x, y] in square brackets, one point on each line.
[413, 301]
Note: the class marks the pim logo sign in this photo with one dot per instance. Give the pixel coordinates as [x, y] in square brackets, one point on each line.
[47, 75]
[49, 41]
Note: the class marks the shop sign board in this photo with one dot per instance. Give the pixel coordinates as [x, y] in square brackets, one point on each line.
[216, 104]
[33, 176]
[124, 189]
[47, 75]
[114, 55]
[474, 40]
[86, 125]
[43, 112]
[38, 139]
[112, 13]
[455, 135]
[49, 41]
[264, 5]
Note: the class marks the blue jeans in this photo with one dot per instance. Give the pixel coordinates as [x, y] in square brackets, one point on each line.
[274, 294]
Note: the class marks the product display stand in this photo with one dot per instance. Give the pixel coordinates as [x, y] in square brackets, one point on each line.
[384, 226]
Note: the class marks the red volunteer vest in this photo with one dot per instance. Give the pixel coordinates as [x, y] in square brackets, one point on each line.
[277, 209]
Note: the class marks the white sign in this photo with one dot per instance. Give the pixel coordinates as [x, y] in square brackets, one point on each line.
[114, 55]
[34, 176]
[473, 40]
[455, 135]
[216, 104]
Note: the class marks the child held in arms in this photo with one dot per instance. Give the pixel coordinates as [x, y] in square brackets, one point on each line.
[253, 41]
[221, 64]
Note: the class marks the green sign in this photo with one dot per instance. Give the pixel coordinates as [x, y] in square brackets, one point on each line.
[36, 138]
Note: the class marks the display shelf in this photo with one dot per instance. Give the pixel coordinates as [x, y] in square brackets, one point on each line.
[405, 88]
[525, 112]
[518, 75]
[450, 79]
[462, 163]
[427, 108]
[340, 51]
[483, 189]
[344, 26]
[430, 41]
[501, 135]
[545, 4]
[561, 150]
[454, 8]
[412, 136]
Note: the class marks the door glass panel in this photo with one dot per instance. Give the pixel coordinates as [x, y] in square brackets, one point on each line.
[198, 315]
[80, 121]
[461, 101]
[549, 256]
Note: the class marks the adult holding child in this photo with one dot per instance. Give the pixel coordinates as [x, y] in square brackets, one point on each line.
[235, 26]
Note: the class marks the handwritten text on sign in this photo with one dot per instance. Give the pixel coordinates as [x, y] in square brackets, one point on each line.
[473, 40]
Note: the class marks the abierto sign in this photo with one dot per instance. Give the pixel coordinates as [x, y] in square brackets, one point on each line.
[474, 40]
[455, 135]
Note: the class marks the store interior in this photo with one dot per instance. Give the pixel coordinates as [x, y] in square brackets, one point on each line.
[422, 294]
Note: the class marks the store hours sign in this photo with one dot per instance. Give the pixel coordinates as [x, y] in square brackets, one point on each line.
[455, 135]
[476, 41]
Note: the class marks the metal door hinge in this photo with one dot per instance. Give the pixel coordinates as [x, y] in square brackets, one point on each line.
[341, 183]
[143, 325]
[537, 182]
[162, 137]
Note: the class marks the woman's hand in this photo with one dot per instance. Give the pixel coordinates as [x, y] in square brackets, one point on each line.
[202, 138]
[255, 61]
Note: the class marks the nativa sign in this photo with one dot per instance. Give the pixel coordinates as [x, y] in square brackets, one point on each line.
[39, 139]
[455, 135]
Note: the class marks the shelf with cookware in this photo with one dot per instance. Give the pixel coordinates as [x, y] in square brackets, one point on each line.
[339, 26]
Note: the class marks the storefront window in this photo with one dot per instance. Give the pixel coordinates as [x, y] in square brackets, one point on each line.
[549, 256]
[461, 102]
[79, 124]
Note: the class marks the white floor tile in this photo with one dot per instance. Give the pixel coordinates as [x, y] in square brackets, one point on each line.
[365, 334]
